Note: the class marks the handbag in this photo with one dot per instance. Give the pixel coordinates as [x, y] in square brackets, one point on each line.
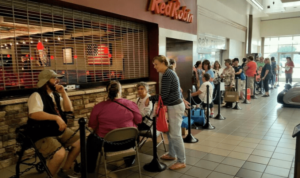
[161, 124]
[243, 76]
[146, 120]
[231, 96]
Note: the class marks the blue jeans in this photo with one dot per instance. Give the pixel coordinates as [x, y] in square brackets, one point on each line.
[176, 145]
[272, 80]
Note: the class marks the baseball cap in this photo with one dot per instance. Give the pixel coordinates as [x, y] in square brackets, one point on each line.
[45, 76]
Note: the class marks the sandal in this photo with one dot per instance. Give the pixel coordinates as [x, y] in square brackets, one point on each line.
[167, 157]
[177, 166]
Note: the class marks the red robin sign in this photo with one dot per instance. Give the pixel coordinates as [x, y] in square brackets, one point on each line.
[171, 9]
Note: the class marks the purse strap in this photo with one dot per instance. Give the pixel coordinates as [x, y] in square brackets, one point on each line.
[123, 106]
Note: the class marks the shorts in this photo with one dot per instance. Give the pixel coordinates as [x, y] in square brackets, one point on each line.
[211, 105]
[48, 145]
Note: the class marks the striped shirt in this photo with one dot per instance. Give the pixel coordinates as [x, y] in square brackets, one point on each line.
[170, 89]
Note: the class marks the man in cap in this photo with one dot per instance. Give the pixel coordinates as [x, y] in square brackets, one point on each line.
[48, 121]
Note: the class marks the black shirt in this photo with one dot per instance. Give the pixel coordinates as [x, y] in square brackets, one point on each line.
[237, 69]
[264, 69]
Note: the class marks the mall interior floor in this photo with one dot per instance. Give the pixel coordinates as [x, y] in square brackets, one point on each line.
[255, 142]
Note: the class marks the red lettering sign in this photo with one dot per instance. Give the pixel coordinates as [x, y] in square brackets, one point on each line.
[172, 9]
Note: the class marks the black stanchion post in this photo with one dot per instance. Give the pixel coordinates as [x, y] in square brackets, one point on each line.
[190, 138]
[253, 96]
[83, 165]
[219, 116]
[155, 165]
[208, 125]
[246, 94]
[237, 90]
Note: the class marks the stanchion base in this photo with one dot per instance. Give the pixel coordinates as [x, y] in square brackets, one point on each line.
[246, 102]
[209, 126]
[254, 97]
[190, 139]
[155, 166]
[220, 117]
[237, 107]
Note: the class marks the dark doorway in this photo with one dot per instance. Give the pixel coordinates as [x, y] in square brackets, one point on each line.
[182, 52]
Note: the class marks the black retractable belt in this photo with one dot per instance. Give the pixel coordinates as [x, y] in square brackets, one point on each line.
[237, 90]
[82, 122]
[254, 97]
[219, 116]
[190, 138]
[246, 94]
[208, 125]
[155, 165]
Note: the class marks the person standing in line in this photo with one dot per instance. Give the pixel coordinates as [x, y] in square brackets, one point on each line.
[261, 62]
[238, 70]
[274, 68]
[171, 96]
[207, 69]
[289, 65]
[217, 71]
[250, 71]
[228, 75]
[199, 72]
[266, 76]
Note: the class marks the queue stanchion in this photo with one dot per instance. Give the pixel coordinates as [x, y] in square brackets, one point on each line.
[219, 116]
[237, 89]
[253, 96]
[246, 90]
[155, 165]
[208, 125]
[83, 165]
[190, 138]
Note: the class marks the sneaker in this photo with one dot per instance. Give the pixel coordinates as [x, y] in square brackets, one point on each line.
[63, 174]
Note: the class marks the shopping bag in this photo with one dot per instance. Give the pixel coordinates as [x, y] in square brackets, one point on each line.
[231, 96]
[161, 124]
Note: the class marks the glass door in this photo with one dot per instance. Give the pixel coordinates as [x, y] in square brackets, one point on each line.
[296, 71]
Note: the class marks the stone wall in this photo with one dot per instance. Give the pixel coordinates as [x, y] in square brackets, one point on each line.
[15, 114]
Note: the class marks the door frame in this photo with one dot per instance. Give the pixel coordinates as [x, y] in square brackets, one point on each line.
[282, 76]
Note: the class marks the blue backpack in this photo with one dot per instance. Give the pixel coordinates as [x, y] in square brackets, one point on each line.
[185, 122]
[198, 116]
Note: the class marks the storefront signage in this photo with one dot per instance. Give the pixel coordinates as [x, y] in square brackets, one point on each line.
[171, 9]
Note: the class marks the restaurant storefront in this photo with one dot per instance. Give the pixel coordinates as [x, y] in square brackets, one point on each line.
[90, 42]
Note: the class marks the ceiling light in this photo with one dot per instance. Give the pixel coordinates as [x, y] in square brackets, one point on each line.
[257, 4]
[291, 4]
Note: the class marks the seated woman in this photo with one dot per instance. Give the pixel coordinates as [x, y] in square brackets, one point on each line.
[200, 96]
[112, 114]
[145, 111]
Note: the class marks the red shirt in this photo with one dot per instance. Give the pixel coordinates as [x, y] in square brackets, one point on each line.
[251, 71]
[109, 115]
[291, 64]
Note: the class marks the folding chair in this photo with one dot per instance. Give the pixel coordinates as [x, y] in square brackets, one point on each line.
[119, 136]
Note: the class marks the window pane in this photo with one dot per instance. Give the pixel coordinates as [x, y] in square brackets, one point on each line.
[267, 41]
[296, 40]
[286, 48]
[285, 40]
[296, 47]
[274, 41]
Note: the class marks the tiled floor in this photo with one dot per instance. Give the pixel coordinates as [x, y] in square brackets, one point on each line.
[254, 142]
